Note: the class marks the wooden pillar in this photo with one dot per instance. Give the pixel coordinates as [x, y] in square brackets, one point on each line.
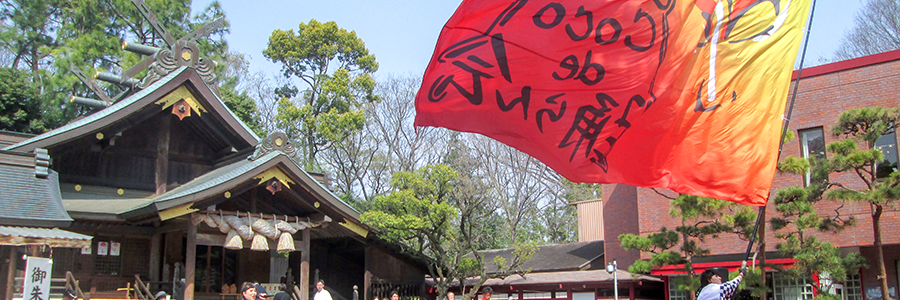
[155, 260]
[191, 261]
[11, 272]
[367, 277]
[631, 290]
[162, 154]
[304, 266]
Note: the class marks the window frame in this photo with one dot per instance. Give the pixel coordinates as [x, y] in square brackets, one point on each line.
[892, 134]
[805, 151]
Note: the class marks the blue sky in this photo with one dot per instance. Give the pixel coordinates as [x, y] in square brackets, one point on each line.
[402, 33]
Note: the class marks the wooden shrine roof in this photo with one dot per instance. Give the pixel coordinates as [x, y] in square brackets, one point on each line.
[110, 120]
[110, 204]
[224, 179]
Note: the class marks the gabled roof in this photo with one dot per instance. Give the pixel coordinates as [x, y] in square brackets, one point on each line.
[223, 179]
[28, 200]
[557, 257]
[567, 278]
[233, 131]
[101, 203]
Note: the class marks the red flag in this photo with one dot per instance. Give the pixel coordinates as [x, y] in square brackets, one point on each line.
[686, 95]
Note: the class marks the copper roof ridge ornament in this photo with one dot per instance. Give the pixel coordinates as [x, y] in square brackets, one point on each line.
[180, 52]
[276, 141]
[160, 61]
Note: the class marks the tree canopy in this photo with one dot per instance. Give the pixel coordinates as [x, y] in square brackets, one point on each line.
[336, 68]
[47, 37]
[435, 216]
[20, 102]
[880, 189]
[700, 218]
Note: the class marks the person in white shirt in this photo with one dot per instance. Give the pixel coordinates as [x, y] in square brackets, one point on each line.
[712, 287]
[321, 292]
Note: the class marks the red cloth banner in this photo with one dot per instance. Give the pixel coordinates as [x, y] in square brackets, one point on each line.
[686, 95]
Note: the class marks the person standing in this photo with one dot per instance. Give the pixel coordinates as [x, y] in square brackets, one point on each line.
[395, 295]
[486, 293]
[321, 292]
[451, 296]
[712, 288]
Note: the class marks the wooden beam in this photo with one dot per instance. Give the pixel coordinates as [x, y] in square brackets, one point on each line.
[304, 266]
[155, 261]
[190, 261]
[176, 211]
[162, 154]
[356, 228]
[11, 273]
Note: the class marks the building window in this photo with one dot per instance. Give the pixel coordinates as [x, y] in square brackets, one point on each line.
[853, 288]
[674, 292]
[546, 295]
[812, 146]
[888, 145]
[791, 288]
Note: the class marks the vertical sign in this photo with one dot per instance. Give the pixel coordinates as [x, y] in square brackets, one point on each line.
[37, 278]
[102, 248]
[86, 251]
[114, 248]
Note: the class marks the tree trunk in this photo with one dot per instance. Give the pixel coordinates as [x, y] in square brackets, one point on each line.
[876, 227]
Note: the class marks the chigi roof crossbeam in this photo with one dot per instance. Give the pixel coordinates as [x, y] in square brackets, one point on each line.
[159, 62]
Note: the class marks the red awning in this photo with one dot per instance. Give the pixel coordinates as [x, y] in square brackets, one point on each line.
[730, 265]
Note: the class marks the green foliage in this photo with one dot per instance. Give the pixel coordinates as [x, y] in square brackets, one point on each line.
[48, 36]
[797, 204]
[331, 108]
[798, 216]
[431, 217]
[243, 107]
[867, 123]
[20, 103]
[700, 218]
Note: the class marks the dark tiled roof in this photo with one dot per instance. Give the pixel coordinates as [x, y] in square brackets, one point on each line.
[558, 257]
[26, 199]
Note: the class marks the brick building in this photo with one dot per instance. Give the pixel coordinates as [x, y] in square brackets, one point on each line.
[824, 92]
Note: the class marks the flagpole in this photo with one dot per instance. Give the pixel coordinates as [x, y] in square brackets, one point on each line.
[787, 120]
